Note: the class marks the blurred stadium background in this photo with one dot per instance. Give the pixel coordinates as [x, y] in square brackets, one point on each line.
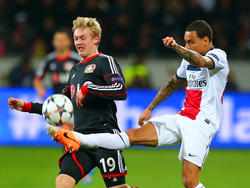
[132, 32]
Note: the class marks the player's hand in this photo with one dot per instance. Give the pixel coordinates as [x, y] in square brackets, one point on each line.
[169, 42]
[144, 117]
[79, 99]
[16, 104]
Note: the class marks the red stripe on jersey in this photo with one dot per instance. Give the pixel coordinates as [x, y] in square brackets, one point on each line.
[108, 94]
[88, 59]
[66, 88]
[192, 104]
[113, 175]
[78, 164]
[222, 96]
[111, 75]
[63, 58]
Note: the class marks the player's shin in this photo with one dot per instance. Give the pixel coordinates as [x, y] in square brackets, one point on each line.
[104, 140]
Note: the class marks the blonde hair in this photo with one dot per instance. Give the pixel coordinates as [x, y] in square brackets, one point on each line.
[91, 23]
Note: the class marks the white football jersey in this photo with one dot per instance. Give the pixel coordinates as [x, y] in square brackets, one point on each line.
[205, 87]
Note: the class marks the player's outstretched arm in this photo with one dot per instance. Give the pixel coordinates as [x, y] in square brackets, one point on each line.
[191, 56]
[166, 90]
[16, 104]
[22, 106]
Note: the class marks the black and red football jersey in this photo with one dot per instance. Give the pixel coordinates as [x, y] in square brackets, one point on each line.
[59, 67]
[105, 84]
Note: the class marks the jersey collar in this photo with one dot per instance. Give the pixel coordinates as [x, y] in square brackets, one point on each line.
[92, 57]
[211, 48]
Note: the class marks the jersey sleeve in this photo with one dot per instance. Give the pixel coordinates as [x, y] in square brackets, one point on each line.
[218, 58]
[181, 71]
[115, 88]
[36, 108]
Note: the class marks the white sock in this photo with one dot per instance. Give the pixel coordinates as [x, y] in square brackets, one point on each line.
[200, 186]
[105, 140]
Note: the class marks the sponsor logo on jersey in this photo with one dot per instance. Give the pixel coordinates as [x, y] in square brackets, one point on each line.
[90, 68]
[193, 82]
[116, 79]
[197, 83]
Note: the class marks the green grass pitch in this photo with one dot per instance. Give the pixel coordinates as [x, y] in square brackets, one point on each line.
[147, 168]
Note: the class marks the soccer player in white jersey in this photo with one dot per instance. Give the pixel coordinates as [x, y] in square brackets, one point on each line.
[203, 71]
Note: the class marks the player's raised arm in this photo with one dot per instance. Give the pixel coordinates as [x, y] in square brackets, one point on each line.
[195, 58]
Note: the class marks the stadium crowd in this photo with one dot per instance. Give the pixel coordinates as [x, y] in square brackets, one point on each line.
[129, 26]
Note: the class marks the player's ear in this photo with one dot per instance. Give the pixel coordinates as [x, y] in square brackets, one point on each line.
[96, 40]
[206, 39]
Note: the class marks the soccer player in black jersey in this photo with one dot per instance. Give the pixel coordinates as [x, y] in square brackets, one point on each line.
[58, 63]
[93, 85]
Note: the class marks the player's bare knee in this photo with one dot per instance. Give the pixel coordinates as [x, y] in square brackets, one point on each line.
[64, 181]
[188, 182]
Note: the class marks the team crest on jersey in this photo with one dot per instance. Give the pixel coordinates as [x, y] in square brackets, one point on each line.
[90, 68]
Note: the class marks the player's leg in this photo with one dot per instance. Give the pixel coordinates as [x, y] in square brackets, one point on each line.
[145, 135]
[190, 174]
[112, 167]
[162, 127]
[196, 139]
[65, 181]
[74, 166]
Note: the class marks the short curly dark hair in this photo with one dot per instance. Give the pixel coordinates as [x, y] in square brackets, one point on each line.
[202, 28]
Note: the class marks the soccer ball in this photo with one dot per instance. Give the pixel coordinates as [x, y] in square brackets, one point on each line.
[57, 109]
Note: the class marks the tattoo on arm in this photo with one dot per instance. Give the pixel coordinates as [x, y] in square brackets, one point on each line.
[192, 57]
[166, 90]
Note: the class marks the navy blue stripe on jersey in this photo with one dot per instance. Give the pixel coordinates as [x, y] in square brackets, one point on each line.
[215, 56]
[213, 63]
[112, 78]
[178, 76]
[193, 68]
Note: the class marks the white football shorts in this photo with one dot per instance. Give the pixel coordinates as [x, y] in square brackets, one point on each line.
[194, 136]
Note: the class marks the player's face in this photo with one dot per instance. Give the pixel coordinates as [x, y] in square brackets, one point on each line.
[193, 42]
[61, 41]
[85, 44]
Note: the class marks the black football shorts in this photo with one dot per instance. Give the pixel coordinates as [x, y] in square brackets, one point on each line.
[110, 162]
